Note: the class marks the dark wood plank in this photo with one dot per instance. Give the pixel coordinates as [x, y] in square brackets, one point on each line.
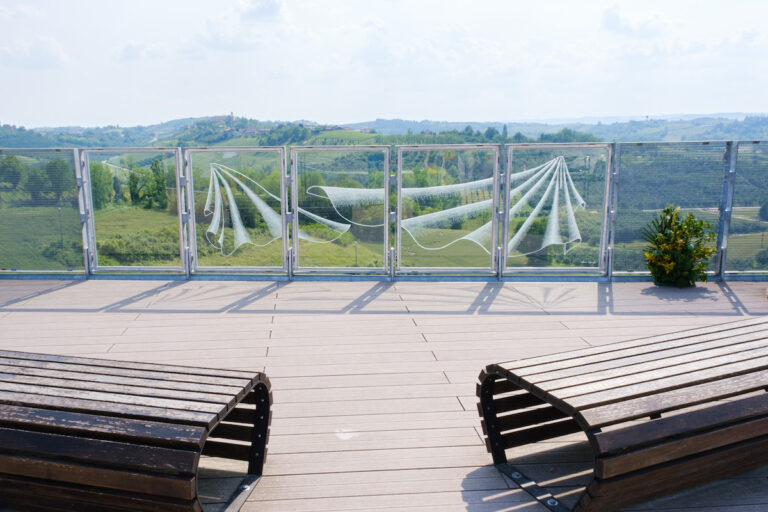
[93, 425]
[675, 399]
[540, 433]
[632, 376]
[717, 415]
[644, 362]
[109, 408]
[233, 431]
[608, 467]
[226, 450]
[656, 383]
[98, 451]
[530, 417]
[643, 485]
[181, 487]
[72, 374]
[633, 347]
[125, 372]
[224, 400]
[155, 367]
[18, 490]
[185, 405]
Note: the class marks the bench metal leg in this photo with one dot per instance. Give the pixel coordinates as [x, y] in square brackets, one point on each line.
[495, 444]
[497, 447]
[258, 452]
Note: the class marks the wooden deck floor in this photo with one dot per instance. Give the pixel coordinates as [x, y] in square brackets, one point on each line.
[374, 383]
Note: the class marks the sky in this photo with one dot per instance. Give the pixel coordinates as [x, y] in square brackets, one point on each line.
[139, 62]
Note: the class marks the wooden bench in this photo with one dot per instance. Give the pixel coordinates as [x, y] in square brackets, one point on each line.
[661, 414]
[96, 435]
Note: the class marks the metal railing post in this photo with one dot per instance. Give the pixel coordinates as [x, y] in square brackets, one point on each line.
[86, 214]
[182, 211]
[83, 210]
[726, 204]
[612, 206]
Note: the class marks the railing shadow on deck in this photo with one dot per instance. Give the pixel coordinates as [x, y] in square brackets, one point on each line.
[384, 298]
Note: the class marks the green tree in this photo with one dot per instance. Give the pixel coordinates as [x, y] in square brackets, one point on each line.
[134, 187]
[10, 170]
[763, 213]
[61, 177]
[102, 191]
[117, 186]
[37, 184]
[157, 195]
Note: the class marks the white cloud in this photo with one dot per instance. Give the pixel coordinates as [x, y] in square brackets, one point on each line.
[262, 10]
[41, 52]
[136, 51]
[615, 21]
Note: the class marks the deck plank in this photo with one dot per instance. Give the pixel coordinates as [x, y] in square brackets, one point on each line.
[374, 382]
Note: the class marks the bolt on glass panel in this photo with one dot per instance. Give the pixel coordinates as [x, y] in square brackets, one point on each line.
[555, 199]
[654, 175]
[340, 207]
[447, 203]
[40, 226]
[238, 207]
[135, 210]
[748, 232]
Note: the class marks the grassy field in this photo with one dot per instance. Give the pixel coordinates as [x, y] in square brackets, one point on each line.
[29, 233]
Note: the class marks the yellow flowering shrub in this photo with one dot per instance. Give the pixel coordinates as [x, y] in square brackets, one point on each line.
[678, 248]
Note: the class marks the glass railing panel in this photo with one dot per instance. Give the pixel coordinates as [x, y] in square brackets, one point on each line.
[40, 225]
[447, 199]
[652, 176]
[135, 210]
[748, 233]
[340, 207]
[238, 207]
[555, 199]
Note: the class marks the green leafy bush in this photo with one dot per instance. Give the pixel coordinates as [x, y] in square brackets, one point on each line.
[678, 249]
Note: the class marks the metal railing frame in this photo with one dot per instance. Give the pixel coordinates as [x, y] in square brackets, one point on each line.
[391, 267]
[505, 270]
[296, 268]
[492, 268]
[193, 257]
[181, 182]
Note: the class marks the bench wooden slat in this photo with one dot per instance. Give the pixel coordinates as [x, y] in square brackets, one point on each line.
[692, 471]
[608, 467]
[224, 400]
[726, 412]
[647, 361]
[655, 372]
[109, 408]
[18, 490]
[141, 431]
[233, 451]
[185, 371]
[164, 403]
[121, 380]
[98, 451]
[663, 384]
[124, 372]
[640, 347]
[181, 487]
[675, 399]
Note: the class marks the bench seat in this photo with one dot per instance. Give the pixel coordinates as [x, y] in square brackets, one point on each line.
[661, 414]
[98, 435]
